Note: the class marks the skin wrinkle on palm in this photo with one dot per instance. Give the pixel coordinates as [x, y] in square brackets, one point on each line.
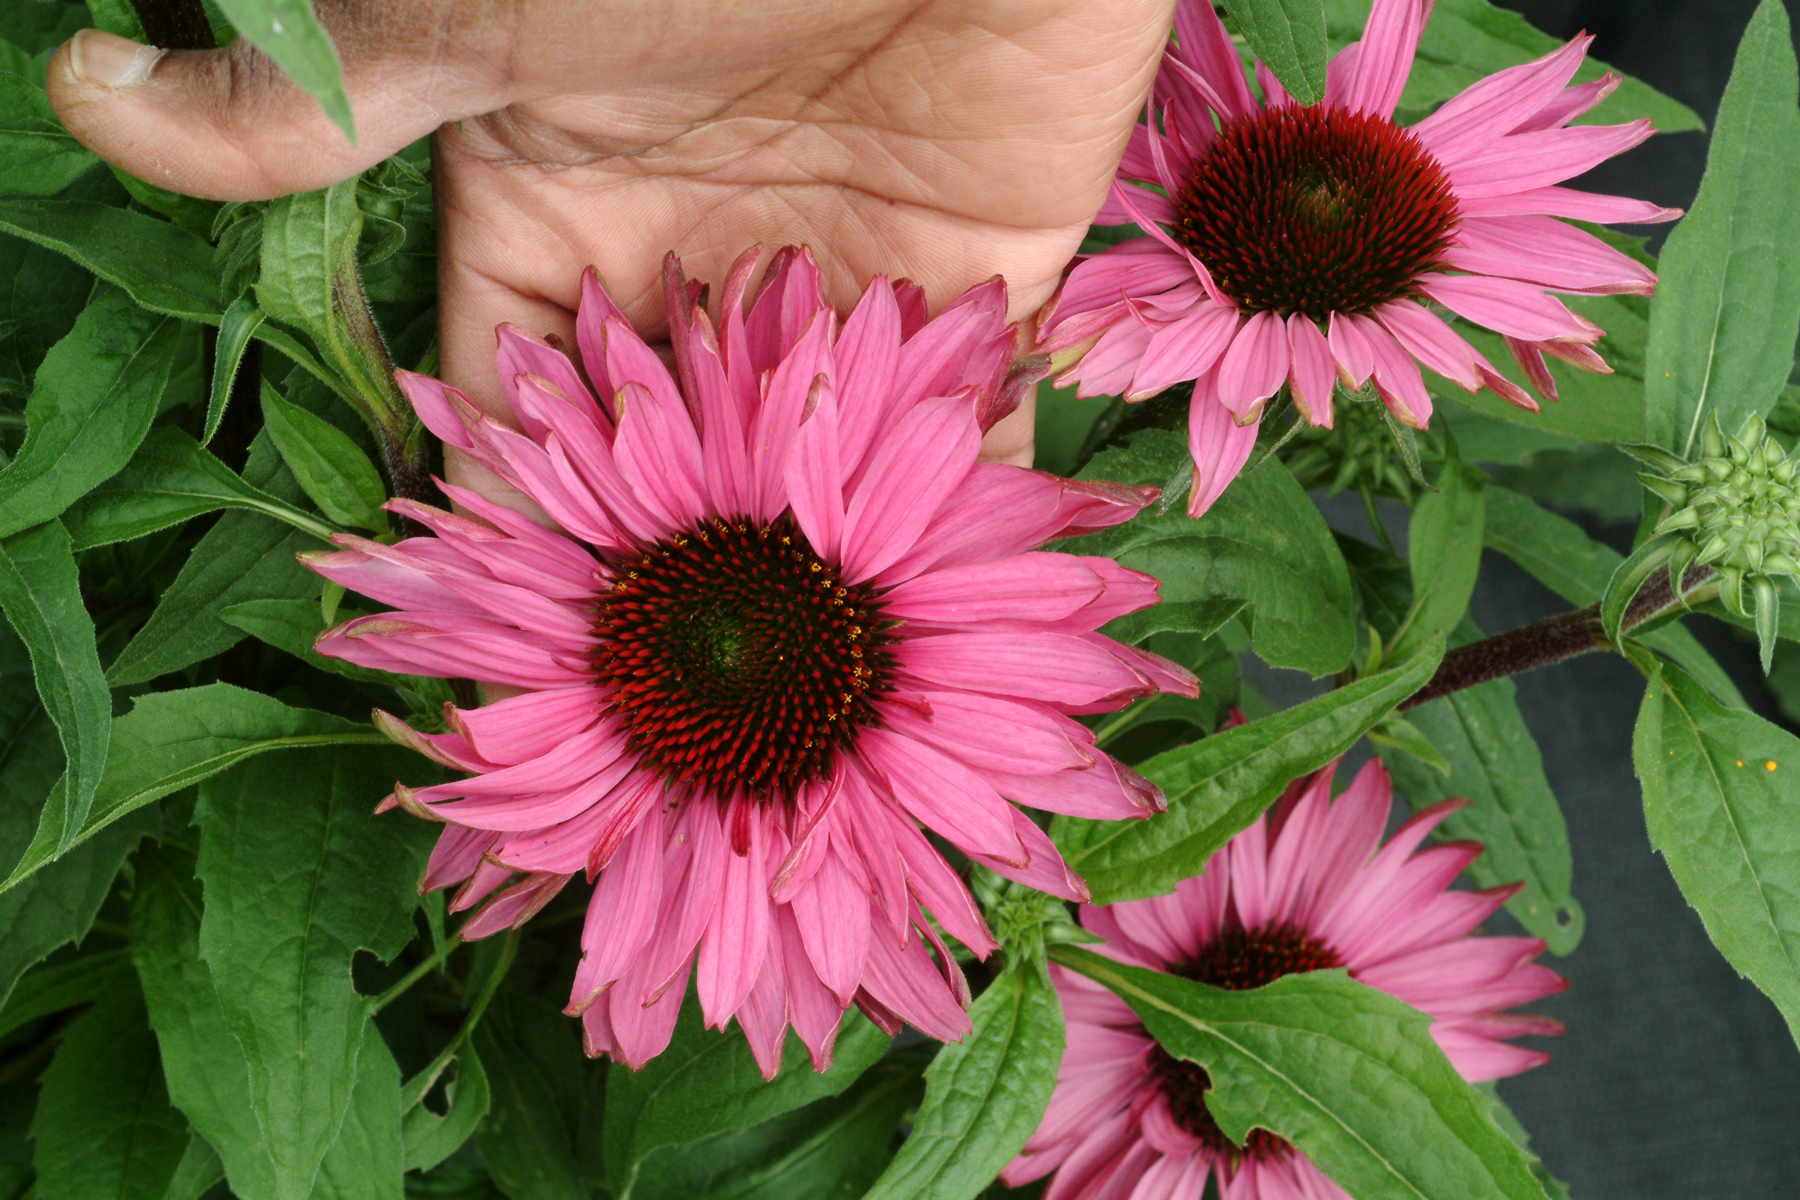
[520, 165]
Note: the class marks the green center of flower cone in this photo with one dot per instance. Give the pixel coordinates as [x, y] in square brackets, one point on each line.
[1316, 210]
[1237, 960]
[738, 659]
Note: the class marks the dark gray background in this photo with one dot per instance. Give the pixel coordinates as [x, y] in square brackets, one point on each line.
[1677, 1078]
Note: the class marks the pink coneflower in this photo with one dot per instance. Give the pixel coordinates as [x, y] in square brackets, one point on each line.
[1294, 245]
[1306, 888]
[786, 620]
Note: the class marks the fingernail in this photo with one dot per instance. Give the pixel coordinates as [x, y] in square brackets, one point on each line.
[108, 60]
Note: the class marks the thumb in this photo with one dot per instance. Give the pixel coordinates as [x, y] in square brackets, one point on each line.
[229, 124]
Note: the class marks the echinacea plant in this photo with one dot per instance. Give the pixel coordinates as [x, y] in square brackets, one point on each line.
[435, 767]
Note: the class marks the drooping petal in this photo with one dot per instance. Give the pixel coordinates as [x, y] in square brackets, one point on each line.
[1254, 367]
[1311, 370]
[1509, 307]
[1220, 445]
[1546, 252]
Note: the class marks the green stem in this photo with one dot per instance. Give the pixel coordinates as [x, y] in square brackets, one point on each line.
[431, 963]
[1561, 637]
[1121, 721]
[421, 1083]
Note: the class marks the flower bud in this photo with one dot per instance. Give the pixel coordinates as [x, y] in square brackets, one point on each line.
[1736, 507]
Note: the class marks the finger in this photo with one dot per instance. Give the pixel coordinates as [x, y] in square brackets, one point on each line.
[1013, 438]
[229, 124]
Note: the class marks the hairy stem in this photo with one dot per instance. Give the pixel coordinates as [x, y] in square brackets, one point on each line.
[175, 24]
[1553, 639]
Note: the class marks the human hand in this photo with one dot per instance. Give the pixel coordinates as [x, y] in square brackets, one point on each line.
[946, 142]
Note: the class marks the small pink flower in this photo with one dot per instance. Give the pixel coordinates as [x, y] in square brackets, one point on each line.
[1308, 887]
[1296, 245]
[787, 618]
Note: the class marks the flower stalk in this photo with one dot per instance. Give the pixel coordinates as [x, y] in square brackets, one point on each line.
[1564, 636]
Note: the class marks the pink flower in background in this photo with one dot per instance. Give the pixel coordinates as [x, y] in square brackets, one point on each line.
[1308, 887]
[1298, 245]
[787, 620]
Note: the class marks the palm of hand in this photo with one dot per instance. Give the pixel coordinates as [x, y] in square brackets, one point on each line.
[927, 146]
[945, 142]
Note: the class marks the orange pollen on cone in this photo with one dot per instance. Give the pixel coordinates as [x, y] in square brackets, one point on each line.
[1237, 960]
[738, 660]
[1316, 210]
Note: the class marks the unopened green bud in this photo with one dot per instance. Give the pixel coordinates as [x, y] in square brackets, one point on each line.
[1737, 508]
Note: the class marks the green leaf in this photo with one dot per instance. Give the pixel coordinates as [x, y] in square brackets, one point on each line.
[208, 1077]
[1201, 617]
[1723, 323]
[367, 1161]
[117, 17]
[42, 27]
[299, 877]
[241, 557]
[192, 214]
[41, 295]
[1509, 1124]
[1720, 794]
[1403, 738]
[1263, 542]
[1467, 40]
[306, 240]
[287, 32]
[104, 1124]
[40, 593]
[430, 1138]
[172, 479]
[173, 739]
[1630, 576]
[197, 1171]
[832, 1149]
[161, 265]
[707, 1082]
[1495, 765]
[236, 325]
[96, 394]
[537, 1084]
[1218, 785]
[37, 155]
[16, 1107]
[245, 556]
[1062, 428]
[309, 279]
[59, 904]
[1558, 554]
[984, 1095]
[1347, 1073]
[328, 465]
[52, 989]
[1289, 37]
[1444, 551]
[293, 625]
